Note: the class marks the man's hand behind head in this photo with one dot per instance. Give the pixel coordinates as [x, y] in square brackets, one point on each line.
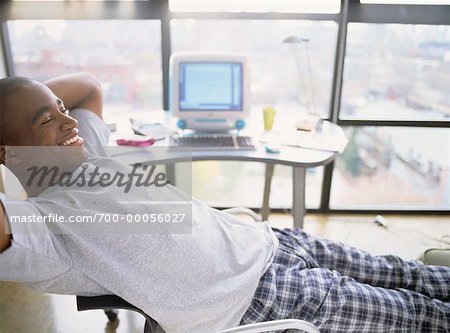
[78, 90]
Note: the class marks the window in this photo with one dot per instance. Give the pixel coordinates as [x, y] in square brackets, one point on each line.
[280, 6]
[279, 77]
[229, 184]
[129, 68]
[279, 71]
[393, 167]
[397, 72]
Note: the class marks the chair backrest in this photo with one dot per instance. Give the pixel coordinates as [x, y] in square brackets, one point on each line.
[109, 302]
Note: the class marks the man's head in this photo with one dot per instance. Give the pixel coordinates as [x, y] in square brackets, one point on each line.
[33, 116]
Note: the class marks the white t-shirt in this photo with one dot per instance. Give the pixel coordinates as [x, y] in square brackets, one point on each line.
[202, 281]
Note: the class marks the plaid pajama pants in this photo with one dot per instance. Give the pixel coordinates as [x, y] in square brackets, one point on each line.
[342, 289]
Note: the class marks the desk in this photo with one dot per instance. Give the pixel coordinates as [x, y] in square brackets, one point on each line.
[298, 158]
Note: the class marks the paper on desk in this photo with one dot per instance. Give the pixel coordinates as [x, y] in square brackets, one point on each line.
[156, 131]
[328, 138]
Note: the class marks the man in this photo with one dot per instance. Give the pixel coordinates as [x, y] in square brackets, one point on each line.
[225, 272]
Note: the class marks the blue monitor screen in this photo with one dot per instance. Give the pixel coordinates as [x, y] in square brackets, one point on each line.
[206, 86]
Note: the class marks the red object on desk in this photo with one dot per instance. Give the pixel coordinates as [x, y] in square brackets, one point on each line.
[135, 143]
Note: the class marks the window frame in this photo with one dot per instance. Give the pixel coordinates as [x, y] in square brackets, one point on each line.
[351, 11]
[355, 12]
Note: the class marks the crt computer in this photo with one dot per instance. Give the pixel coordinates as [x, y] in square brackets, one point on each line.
[210, 97]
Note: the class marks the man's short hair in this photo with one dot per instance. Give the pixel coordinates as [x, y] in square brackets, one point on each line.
[9, 86]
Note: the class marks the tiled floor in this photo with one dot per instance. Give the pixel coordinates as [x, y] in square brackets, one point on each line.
[26, 311]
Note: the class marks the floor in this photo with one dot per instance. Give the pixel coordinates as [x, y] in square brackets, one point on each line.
[24, 310]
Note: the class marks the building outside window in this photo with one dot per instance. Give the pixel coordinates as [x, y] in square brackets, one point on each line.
[395, 72]
[129, 68]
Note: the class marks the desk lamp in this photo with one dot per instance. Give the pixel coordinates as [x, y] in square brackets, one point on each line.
[311, 119]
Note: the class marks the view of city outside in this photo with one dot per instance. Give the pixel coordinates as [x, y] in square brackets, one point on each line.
[391, 72]
[393, 167]
[395, 72]
[283, 74]
[125, 55]
[286, 75]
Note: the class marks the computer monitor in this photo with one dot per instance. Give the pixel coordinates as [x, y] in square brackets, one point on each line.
[209, 91]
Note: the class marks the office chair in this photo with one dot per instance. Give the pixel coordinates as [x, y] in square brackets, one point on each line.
[111, 303]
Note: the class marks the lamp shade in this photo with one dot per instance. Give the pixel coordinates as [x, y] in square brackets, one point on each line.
[295, 40]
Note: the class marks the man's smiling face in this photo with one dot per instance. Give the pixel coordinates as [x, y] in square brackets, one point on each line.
[36, 117]
[39, 133]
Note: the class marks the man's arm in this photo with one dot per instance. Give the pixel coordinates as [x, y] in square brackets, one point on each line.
[5, 237]
[80, 90]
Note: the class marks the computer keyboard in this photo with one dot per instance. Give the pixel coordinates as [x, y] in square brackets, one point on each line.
[211, 142]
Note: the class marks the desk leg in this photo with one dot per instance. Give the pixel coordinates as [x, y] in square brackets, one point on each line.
[265, 210]
[298, 193]
[170, 172]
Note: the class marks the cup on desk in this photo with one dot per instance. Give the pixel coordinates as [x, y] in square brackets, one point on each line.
[269, 116]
